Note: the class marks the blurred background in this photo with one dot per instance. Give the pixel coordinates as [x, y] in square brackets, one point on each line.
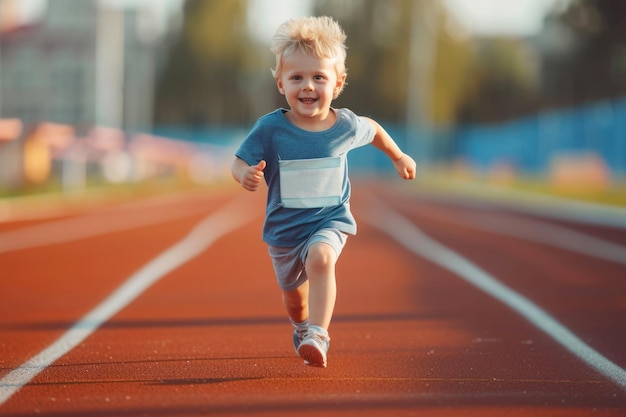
[514, 94]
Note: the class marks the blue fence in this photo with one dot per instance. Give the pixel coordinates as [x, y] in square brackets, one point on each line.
[529, 144]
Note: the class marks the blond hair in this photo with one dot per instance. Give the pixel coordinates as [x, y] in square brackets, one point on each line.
[320, 37]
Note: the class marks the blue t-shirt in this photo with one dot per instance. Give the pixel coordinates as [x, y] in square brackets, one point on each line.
[275, 138]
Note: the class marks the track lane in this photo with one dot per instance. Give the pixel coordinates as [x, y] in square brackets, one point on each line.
[408, 338]
[584, 292]
[123, 294]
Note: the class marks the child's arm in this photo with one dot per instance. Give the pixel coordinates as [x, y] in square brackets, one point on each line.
[248, 176]
[404, 164]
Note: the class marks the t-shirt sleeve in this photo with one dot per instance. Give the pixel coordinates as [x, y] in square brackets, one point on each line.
[251, 149]
[364, 132]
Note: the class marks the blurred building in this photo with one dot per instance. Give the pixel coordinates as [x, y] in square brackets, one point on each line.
[78, 81]
[81, 63]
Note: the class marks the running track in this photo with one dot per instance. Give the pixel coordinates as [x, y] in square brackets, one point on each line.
[447, 306]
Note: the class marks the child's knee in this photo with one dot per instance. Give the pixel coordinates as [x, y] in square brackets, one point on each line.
[321, 256]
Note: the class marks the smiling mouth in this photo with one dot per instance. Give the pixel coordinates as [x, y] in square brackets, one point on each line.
[308, 100]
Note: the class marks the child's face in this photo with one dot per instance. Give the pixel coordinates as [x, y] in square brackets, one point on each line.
[309, 85]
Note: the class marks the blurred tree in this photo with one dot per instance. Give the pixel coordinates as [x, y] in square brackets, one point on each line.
[584, 53]
[454, 79]
[377, 60]
[503, 77]
[380, 40]
[204, 79]
[408, 61]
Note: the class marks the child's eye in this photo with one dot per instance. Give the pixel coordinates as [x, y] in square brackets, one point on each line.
[319, 77]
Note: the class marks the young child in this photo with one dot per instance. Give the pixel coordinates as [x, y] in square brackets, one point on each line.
[301, 155]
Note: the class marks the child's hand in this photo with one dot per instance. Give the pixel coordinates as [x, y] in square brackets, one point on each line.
[252, 176]
[405, 166]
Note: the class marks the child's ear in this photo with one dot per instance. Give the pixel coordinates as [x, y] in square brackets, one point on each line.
[341, 82]
[279, 84]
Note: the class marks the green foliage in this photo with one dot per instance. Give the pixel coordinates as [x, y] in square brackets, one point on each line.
[217, 74]
[207, 67]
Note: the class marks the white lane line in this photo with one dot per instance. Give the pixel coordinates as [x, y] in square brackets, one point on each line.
[41, 207]
[389, 221]
[82, 227]
[540, 232]
[211, 228]
[536, 203]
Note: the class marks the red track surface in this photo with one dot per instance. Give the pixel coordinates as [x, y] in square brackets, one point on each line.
[409, 337]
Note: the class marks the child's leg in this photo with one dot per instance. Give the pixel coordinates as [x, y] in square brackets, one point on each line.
[320, 268]
[296, 303]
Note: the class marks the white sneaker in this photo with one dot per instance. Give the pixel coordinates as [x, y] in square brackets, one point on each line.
[313, 349]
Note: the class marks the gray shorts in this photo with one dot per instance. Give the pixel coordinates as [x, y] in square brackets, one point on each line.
[289, 262]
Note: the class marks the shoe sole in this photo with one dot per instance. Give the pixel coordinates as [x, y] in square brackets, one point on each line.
[312, 356]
